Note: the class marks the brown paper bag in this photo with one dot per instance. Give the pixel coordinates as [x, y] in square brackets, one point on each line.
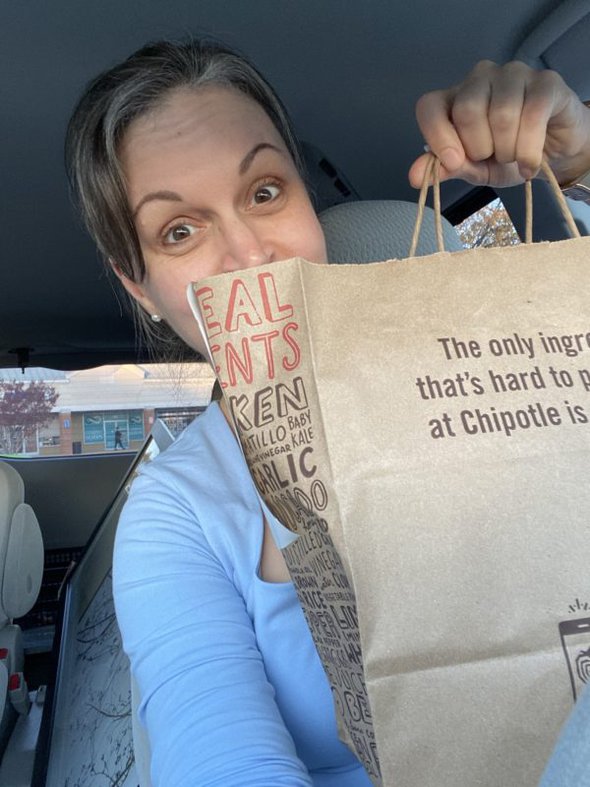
[424, 427]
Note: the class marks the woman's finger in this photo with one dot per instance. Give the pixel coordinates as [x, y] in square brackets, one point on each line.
[508, 87]
[475, 172]
[538, 107]
[418, 171]
[433, 116]
[469, 112]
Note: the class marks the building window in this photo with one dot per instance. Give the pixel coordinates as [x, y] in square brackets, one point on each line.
[93, 428]
[49, 441]
[113, 430]
[136, 431]
[178, 420]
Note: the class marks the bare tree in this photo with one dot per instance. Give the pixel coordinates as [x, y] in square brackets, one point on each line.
[490, 226]
[24, 408]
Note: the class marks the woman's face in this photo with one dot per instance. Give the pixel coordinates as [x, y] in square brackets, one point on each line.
[212, 189]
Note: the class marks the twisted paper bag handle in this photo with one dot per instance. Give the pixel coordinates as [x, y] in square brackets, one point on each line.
[432, 172]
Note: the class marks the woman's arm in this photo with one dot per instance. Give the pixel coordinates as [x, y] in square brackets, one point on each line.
[569, 765]
[208, 707]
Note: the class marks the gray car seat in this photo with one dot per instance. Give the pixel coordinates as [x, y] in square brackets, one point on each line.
[380, 230]
[21, 572]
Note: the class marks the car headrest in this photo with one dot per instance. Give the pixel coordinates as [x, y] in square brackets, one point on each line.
[378, 230]
[21, 548]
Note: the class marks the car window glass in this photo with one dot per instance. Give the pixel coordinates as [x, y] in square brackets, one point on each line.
[488, 226]
[44, 412]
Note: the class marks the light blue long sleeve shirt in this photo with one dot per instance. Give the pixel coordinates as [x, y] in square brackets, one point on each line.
[569, 765]
[233, 692]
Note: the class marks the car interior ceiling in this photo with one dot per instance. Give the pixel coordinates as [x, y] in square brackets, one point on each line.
[349, 73]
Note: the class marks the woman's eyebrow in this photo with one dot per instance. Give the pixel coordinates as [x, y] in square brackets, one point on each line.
[170, 196]
[249, 157]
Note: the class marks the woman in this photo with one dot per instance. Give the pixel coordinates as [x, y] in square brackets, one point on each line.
[185, 166]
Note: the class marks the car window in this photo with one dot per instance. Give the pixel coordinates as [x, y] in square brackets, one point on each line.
[488, 226]
[44, 412]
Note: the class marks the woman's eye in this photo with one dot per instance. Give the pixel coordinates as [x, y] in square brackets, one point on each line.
[266, 193]
[178, 233]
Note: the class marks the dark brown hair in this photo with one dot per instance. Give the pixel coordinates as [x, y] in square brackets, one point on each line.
[107, 107]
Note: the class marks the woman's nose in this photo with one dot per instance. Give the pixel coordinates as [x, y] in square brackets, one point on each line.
[244, 246]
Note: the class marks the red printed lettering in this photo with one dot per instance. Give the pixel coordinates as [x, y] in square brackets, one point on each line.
[240, 307]
[291, 365]
[204, 295]
[267, 339]
[234, 362]
[273, 310]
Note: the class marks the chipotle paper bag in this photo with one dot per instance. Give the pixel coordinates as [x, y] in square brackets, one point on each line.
[424, 427]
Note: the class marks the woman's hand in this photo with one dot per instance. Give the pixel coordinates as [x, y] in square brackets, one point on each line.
[494, 127]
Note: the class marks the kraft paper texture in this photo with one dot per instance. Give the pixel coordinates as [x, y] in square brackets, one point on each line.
[424, 427]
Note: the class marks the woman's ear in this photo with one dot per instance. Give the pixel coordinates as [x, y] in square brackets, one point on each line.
[135, 290]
